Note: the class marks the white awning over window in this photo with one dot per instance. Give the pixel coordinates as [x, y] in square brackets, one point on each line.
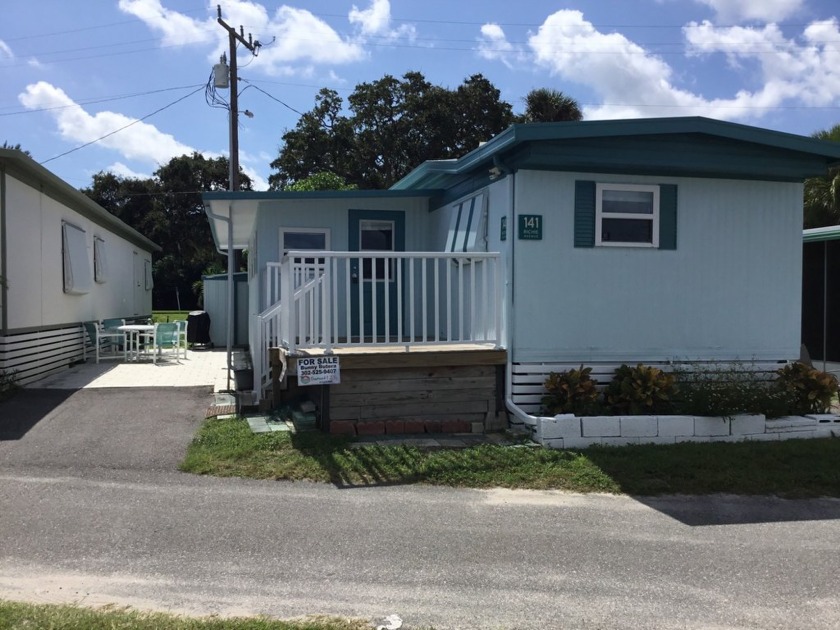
[77, 276]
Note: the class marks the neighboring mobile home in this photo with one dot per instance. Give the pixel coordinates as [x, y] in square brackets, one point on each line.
[599, 243]
[64, 260]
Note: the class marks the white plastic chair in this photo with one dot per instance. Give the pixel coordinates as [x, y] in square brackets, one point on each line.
[106, 339]
[182, 335]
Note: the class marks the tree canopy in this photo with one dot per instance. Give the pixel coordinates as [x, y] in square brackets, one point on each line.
[392, 126]
[167, 208]
[822, 194]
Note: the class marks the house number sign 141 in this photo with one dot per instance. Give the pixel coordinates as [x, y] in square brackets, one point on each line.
[530, 227]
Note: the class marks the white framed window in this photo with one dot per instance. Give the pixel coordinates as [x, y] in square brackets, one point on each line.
[626, 215]
[466, 227]
[292, 239]
[77, 277]
[100, 261]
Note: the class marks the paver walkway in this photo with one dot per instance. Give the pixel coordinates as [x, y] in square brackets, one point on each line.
[200, 368]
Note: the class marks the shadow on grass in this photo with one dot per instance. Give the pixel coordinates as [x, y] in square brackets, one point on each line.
[371, 466]
[730, 483]
[26, 408]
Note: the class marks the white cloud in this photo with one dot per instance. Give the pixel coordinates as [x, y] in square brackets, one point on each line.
[141, 141]
[120, 169]
[493, 45]
[5, 50]
[808, 72]
[376, 20]
[300, 38]
[34, 63]
[177, 29]
[736, 11]
[632, 82]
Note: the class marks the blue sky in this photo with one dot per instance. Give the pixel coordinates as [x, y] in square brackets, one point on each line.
[74, 72]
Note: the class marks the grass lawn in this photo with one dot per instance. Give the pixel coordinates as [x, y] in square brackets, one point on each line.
[168, 316]
[14, 616]
[795, 468]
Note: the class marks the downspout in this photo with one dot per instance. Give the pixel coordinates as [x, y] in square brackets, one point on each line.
[230, 263]
[521, 416]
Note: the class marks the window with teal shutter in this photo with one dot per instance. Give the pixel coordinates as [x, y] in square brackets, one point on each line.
[625, 215]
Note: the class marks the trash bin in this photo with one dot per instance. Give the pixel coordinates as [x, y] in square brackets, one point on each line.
[198, 329]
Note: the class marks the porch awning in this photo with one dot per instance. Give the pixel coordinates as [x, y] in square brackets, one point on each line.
[829, 233]
[243, 213]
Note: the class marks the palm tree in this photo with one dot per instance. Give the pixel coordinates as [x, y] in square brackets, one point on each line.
[822, 194]
[549, 105]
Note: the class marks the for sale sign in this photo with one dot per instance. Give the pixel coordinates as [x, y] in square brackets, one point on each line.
[318, 370]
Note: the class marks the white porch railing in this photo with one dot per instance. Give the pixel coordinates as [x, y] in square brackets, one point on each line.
[337, 299]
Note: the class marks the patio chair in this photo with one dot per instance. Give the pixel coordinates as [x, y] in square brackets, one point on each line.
[182, 335]
[107, 341]
[166, 338]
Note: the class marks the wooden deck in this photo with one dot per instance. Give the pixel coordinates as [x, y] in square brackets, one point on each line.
[387, 388]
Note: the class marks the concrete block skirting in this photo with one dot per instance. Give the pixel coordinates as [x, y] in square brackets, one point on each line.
[570, 432]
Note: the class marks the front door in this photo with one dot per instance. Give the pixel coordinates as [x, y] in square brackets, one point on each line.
[373, 292]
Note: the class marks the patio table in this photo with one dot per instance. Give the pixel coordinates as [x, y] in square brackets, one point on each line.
[134, 332]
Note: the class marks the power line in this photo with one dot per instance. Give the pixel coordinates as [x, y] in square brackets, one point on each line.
[104, 99]
[134, 122]
[286, 105]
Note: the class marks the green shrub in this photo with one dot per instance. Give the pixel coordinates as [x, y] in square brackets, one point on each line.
[8, 384]
[808, 390]
[640, 390]
[731, 389]
[572, 391]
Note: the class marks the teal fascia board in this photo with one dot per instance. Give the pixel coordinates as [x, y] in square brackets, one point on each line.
[788, 157]
[814, 235]
[268, 195]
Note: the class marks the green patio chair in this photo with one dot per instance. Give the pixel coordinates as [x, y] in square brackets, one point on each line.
[166, 338]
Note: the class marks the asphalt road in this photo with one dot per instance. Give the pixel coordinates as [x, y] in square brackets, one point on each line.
[146, 536]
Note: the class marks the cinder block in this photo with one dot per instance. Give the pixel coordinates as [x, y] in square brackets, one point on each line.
[790, 423]
[619, 441]
[747, 424]
[600, 426]
[343, 427]
[376, 427]
[455, 426]
[657, 440]
[578, 443]
[639, 426]
[823, 431]
[556, 443]
[477, 427]
[434, 427]
[691, 438]
[671, 426]
[798, 435]
[824, 418]
[728, 438]
[553, 428]
[711, 425]
[763, 437]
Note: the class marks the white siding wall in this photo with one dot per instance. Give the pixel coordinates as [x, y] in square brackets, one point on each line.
[731, 289]
[34, 258]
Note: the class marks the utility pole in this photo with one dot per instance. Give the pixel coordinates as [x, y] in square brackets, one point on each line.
[253, 46]
[233, 183]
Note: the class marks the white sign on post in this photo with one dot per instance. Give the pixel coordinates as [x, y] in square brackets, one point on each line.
[318, 371]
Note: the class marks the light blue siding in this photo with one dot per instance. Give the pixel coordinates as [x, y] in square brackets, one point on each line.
[730, 290]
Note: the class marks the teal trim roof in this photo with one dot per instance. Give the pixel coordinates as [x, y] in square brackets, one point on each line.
[691, 146]
[829, 233]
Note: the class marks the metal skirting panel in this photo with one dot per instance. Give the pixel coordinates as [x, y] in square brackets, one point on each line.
[34, 355]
